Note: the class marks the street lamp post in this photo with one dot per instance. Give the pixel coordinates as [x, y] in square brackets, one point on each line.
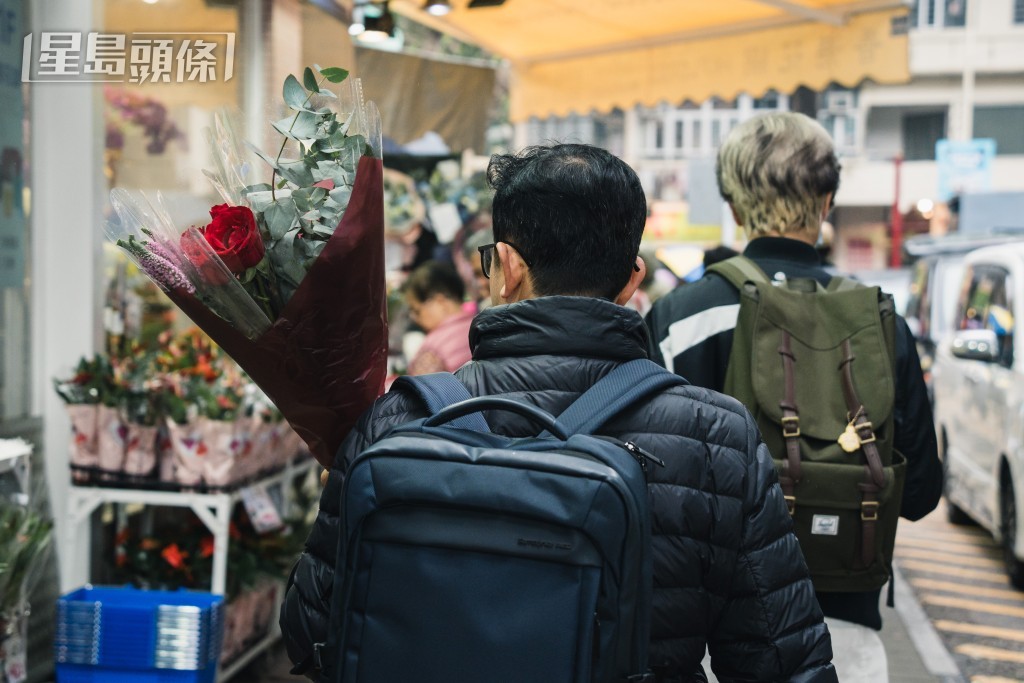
[895, 256]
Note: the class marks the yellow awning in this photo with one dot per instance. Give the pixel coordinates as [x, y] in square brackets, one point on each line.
[582, 55]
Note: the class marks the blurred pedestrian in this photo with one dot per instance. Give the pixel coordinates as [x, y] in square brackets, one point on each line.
[434, 293]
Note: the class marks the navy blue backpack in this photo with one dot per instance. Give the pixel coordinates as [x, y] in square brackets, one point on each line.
[473, 557]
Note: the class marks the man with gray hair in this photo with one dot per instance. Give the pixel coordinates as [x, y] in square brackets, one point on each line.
[779, 174]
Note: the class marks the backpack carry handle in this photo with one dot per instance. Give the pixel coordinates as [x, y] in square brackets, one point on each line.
[475, 405]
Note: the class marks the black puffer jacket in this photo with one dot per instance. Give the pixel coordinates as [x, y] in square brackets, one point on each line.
[728, 572]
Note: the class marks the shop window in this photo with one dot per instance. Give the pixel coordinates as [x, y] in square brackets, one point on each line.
[1018, 11]
[928, 14]
[1003, 124]
[920, 133]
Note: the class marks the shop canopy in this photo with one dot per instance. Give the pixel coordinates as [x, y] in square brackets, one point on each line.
[577, 56]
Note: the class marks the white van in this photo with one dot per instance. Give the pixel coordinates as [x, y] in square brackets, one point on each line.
[978, 380]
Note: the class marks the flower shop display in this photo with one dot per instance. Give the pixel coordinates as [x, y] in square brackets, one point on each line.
[183, 414]
[288, 276]
[178, 553]
[25, 537]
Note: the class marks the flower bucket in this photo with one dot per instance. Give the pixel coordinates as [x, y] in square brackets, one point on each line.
[111, 437]
[84, 422]
[188, 452]
[140, 456]
[229, 450]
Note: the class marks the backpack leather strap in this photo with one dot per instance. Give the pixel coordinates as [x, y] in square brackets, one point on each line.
[874, 473]
[790, 476]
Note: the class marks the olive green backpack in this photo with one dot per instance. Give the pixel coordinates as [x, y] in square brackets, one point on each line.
[816, 368]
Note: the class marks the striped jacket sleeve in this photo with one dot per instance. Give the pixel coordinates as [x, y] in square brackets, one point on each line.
[691, 330]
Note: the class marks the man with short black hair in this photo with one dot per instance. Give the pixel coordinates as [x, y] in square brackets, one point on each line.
[728, 573]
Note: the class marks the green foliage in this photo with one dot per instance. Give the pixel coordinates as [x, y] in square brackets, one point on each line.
[24, 538]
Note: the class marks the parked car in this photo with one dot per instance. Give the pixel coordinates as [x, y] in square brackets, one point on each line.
[937, 263]
[979, 400]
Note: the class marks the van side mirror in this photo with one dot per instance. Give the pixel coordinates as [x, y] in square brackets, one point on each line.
[980, 345]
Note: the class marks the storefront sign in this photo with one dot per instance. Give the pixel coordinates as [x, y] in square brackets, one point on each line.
[964, 166]
[165, 57]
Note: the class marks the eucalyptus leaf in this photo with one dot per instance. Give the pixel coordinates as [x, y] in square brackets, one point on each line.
[269, 159]
[333, 171]
[312, 215]
[309, 80]
[300, 126]
[281, 217]
[334, 74]
[341, 195]
[258, 187]
[324, 92]
[295, 95]
[296, 172]
[259, 201]
[323, 230]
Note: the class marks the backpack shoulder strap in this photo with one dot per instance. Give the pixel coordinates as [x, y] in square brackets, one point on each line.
[438, 391]
[616, 391]
[838, 283]
[740, 270]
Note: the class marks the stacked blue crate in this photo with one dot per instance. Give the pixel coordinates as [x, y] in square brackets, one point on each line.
[122, 635]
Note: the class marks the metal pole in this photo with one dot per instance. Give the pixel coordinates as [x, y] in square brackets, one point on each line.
[895, 255]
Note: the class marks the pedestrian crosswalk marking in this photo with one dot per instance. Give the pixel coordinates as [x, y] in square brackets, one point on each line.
[959, 572]
[961, 560]
[981, 538]
[953, 546]
[980, 630]
[974, 605]
[991, 653]
[977, 591]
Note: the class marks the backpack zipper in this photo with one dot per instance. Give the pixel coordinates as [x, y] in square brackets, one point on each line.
[641, 456]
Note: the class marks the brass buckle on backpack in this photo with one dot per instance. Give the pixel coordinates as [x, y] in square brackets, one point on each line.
[791, 420]
[790, 504]
[869, 511]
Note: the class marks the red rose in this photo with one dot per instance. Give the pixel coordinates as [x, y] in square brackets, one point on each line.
[209, 271]
[234, 236]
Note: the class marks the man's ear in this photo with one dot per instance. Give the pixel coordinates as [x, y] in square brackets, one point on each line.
[828, 207]
[636, 276]
[735, 216]
[514, 284]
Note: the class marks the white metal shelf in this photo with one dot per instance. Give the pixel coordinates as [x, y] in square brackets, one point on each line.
[213, 509]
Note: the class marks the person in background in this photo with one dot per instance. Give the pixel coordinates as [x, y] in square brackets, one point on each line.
[434, 293]
[779, 174]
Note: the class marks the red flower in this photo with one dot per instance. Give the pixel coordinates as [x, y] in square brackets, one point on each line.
[173, 555]
[206, 265]
[234, 236]
[206, 546]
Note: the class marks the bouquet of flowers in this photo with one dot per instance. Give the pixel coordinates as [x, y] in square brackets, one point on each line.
[288, 277]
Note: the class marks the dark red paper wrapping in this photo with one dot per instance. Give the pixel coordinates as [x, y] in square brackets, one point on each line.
[324, 359]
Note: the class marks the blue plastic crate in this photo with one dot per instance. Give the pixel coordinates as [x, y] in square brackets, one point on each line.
[168, 633]
[81, 673]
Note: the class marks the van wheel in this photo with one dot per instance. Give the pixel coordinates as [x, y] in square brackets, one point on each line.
[1009, 527]
[954, 513]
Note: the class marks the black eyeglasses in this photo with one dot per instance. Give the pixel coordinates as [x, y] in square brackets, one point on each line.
[487, 257]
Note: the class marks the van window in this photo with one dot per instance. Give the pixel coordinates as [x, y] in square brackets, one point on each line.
[986, 305]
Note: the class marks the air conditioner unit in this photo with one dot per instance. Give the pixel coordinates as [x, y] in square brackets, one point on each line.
[839, 102]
